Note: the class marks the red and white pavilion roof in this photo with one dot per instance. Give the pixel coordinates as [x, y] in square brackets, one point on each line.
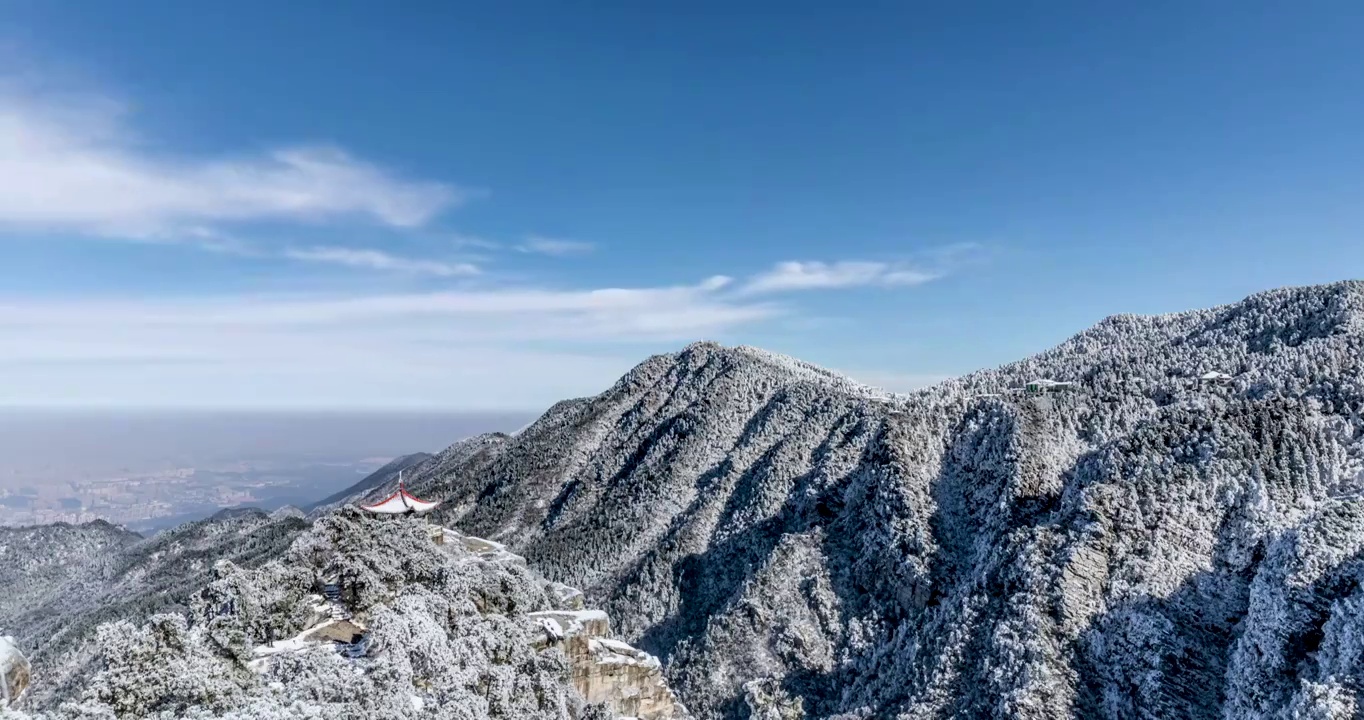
[400, 503]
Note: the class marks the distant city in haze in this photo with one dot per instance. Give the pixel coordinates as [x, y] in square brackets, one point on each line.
[149, 470]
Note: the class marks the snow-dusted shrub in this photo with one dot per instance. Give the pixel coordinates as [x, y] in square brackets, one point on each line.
[161, 666]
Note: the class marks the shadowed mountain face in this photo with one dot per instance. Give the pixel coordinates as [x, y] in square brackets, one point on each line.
[1147, 545]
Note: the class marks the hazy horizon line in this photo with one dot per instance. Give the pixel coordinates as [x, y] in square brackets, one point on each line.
[262, 410]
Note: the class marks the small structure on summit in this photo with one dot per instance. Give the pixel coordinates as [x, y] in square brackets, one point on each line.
[14, 672]
[1214, 378]
[401, 503]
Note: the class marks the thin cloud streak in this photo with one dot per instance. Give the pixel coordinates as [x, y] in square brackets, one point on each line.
[457, 349]
[797, 275]
[454, 348]
[554, 246]
[668, 311]
[473, 241]
[380, 260]
[76, 165]
[616, 314]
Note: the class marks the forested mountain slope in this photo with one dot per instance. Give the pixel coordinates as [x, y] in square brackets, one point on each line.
[793, 544]
[42, 562]
[1146, 546]
[363, 617]
[62, 581]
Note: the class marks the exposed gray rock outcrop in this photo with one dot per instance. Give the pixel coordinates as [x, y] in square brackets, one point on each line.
[14, 672]
[606, 671]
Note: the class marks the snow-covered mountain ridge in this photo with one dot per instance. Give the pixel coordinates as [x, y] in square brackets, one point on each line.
[793, 544]
[782, 536]
[363, 617]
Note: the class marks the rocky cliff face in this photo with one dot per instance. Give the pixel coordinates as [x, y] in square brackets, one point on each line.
[1146, 546]
[15, 673]
[603, 670]
[606, 671]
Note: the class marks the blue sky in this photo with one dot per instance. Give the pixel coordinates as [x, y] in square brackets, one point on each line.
[312, 204]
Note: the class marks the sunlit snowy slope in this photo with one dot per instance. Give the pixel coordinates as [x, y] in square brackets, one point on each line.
[1136, 540]
[1142, 544]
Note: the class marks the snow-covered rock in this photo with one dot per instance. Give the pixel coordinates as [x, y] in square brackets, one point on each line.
[14, 672]
[606, 671]
[434, 631]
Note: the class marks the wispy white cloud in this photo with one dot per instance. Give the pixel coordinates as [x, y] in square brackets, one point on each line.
[554, 246]
[380, 260]
[609, 314]
[484, 348]
[74, 163]
[796, 275]
[620, 314]
[462, 241]
[466, 348]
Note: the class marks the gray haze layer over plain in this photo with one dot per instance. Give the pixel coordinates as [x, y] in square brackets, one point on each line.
[48, 444]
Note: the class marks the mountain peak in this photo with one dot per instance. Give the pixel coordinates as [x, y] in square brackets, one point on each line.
[703, 361]
[754, 521]
[1143, 541]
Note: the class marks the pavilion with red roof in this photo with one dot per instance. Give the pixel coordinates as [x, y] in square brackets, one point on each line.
[401, 502]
